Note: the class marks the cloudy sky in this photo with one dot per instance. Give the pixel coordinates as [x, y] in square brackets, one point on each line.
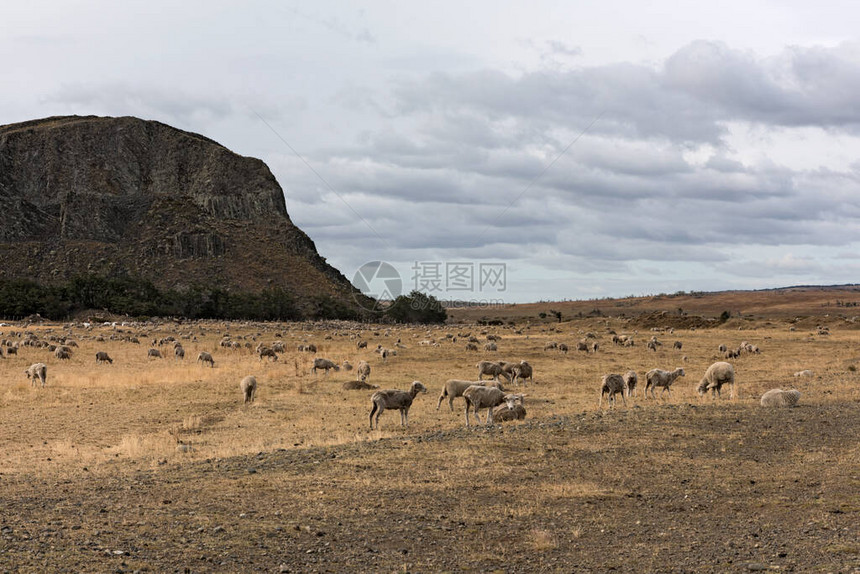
[592, 151]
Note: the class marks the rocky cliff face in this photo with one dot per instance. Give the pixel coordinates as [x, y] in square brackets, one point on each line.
[126, 196]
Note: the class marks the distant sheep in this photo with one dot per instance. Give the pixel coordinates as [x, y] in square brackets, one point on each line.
[582, 346]
[179, 353]
[267, 352]
[347, 366]
[611, 385]
[394, 399]
[454, 388]
[677, 345]
[491, 347]
[205, 357]
[490, 368]
[652, 345]
[37, 371]
[717, 375]
[102, 357]
[249, 389]
[363, 370]
[660, 378]
[480, 397]
[324, 364]
[780, 398]
[563, 348]
[471, 347]
[522, 371]
[550, 346]
[63, 352]
[631, 379]
[154, 354]
[804, 373]
[358, 386]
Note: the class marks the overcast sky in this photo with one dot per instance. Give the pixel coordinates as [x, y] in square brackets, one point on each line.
[594, 151]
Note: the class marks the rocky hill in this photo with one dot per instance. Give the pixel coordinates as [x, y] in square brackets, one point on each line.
[124, 196]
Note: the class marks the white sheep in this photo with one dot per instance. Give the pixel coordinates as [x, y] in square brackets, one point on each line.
[505, 412]
[717, 375]
[205, 357]
[363, 370]
[631, 379]
[611, 385]
[481, 397]
[804, 373]
[492, 369]
[394, 399]
[249, 388]
[522, 371]
[454, 388]
[37, 371]
[780, 398]
[660, 378]
[325, 364]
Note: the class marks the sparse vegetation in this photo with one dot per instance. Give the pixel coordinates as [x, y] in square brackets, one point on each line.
[158, 460]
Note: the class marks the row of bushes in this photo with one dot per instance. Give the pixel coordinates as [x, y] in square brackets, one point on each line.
[140, 298]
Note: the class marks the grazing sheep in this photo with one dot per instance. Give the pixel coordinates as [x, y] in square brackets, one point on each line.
[102, 357]
[363, 370]
[361, 345]
[179, 353]
[325, 364]
[611, 385]
[631, 379]
[582, 346]
[394, 399]
[717, 375]
[563, 348]
[677, 345]
[481, 397]
[722, 349]
[454, 388]
[267, 352]
[249, 389]
[780, 398]
[595, 346]
[205, 357]
[550, 346]
[652, 345]
[154, 354]
[347, 366]
[37, 371]
[279, 347]
[63, 353]
[11, 351]
[659, 378]
[804, 373]
[471, 347]
[522, 371]
[491, 347]
[492, 369]
[358, 386]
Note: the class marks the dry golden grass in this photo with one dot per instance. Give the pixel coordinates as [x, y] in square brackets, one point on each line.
[558, 479]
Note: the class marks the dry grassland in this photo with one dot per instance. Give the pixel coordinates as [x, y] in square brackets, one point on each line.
[156, 465]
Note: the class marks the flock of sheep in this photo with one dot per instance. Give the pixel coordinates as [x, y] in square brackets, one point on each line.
[477, 394]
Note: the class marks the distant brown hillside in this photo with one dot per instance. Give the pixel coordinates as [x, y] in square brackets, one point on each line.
[124, 196]
[686, 310]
